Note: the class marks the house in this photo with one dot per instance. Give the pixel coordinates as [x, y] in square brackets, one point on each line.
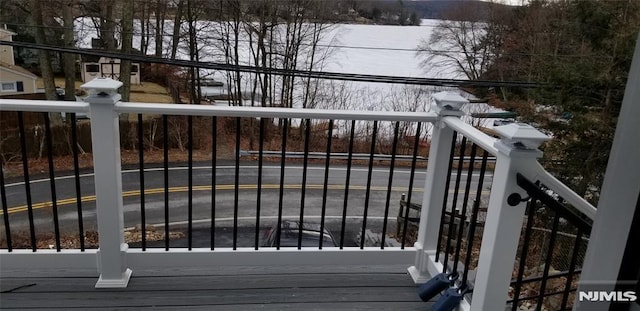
[13, 78]
[92, 67]
[6, 52]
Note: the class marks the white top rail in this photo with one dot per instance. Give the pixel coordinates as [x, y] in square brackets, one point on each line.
[478, 137]
[227, 111]
[43, 105]
[562, 190]
[269, 112]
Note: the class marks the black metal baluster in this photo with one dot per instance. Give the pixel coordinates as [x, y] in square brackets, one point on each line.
[326, 183]
[165, 138]
[27, 182]
[474, 218]
[446, 195]
[454, 203]
[547, 261]
[236, 189]
[52, 179]
[465, 201]
[190, 179]
[372, 152]
[5, 208]
[392, 165]
[346, 186]
[572, 269]
[143, 219]
[305, 166]
[214, 182]
[281, 194]
[416, 145]
[76, 172]
[517, 287]
[259, 189]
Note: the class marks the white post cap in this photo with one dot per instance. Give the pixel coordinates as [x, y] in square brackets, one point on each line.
[521, 136]
[102, 86]
[102, 91]
[449, 101]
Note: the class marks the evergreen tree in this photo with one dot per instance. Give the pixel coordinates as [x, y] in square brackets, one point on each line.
[580, 51]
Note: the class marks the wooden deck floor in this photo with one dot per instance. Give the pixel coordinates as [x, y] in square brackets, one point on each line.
[228, 288]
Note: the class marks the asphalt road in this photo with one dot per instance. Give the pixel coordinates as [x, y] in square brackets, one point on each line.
[225, 195]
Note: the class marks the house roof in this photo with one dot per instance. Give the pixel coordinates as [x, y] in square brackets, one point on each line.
[2, 30]
[89, 58]
[17, 69]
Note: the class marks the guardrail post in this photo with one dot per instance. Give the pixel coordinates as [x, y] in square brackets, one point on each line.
[105, 137]
[517, 151]
[447, 104]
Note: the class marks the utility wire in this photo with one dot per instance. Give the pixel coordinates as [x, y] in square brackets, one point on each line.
[277, 71]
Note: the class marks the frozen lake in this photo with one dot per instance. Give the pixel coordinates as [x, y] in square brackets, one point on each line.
[346, 48]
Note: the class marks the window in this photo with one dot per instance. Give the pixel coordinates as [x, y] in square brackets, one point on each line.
[134, 68]
[92, 68]
[8, 87]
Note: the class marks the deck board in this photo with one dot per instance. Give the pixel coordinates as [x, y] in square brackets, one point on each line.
[215, 282]
[355, 306]
[255, 289]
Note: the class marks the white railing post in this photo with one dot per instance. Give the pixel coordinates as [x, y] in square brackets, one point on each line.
[517, 151]
[447, 104]
[105, 137]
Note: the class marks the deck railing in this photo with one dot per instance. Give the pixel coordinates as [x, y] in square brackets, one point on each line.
[471, 220]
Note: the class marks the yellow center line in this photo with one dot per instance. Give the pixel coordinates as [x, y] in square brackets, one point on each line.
[90, 198]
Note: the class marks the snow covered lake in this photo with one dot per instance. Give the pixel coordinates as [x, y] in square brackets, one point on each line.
[349, 48]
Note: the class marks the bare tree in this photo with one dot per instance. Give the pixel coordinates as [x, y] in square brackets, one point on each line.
[142, 7]
[160, 14]
[460, 44]
[320, 23]
[178, 131]
[195, 11]
[294, 15]
[259, 28]
[177, 21]
[234, 20]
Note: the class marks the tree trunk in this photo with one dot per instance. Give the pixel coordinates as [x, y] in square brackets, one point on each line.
[161, 9]
[108, 26]
[236, 51]
[144, 27]
[69, 59]
[45, 58]
[175, 38]
[127, 40]
[227, 58]
[194, 87]
[265, 77]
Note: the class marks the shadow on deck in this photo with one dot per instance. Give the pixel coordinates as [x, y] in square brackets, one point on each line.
[224, 288]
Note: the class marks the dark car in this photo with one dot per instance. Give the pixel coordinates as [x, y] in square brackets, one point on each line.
[290, 231]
